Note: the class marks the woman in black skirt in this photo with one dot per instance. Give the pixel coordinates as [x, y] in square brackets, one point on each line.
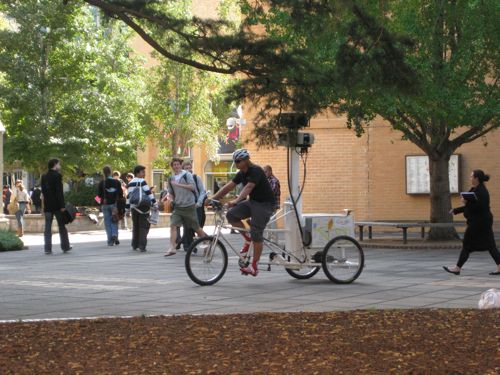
[479, 233]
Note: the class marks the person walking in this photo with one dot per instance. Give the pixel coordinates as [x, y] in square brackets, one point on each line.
[138, 205]
[36, 199]
[200, 196]
[110, 191]
[181, 188]
[6, 194]
[121, 201]
[479, 234]
[21, 196]
[54, 206]
[126, 219]
[275, 184]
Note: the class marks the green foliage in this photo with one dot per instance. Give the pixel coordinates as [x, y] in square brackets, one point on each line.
[82, 195]
[430, 68]
[69, 87]
[9, 241]
[188, 105]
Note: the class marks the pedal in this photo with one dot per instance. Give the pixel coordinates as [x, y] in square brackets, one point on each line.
[243, 262]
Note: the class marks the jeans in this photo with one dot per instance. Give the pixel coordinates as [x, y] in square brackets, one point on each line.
[63, 232]
[20, 215]
[110, 226]
[140, 230]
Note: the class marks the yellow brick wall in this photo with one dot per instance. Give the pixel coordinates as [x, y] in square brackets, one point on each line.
[336, 167]
[367, 174]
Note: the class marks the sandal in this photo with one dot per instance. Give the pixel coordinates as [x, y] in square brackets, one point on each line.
[495, 273]
[170, 253]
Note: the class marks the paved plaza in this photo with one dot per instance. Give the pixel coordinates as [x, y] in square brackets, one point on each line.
[96, 280]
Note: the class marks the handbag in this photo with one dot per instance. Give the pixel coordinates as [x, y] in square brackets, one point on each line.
[168, 206]
[69, 213]
[13, 206]
[116, 215]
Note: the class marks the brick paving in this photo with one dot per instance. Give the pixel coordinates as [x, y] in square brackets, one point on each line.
[96, 280]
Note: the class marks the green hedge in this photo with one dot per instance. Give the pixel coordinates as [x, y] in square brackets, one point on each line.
[82, 195]
[9, 241]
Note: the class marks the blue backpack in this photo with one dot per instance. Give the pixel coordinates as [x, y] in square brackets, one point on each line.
[138, 198]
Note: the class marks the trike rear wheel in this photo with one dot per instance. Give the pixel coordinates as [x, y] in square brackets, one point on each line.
[343, 260]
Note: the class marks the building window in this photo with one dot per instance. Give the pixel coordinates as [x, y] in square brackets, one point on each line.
[158, 180]
[217, 175]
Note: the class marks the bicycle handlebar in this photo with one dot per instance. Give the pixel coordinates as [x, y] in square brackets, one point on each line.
[215, 204]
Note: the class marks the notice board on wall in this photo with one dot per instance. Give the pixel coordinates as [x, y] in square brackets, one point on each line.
[418, 178]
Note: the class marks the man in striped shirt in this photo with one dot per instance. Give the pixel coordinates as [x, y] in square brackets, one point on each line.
[140, 215]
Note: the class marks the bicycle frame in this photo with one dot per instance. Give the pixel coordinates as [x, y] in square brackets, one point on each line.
[341, 258]
[298, 261]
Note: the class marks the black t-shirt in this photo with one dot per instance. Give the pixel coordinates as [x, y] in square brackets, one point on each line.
[262, 191]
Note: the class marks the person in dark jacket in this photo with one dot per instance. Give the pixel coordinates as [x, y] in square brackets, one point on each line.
[36, 199]
[479, 234]
[7, 193]
[110, 191]
[53, 200]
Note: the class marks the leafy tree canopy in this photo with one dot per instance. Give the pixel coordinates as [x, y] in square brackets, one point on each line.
[69, 87]
[428, 67]
[187, 104]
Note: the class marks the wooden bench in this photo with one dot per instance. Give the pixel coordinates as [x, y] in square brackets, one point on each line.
[404, 226]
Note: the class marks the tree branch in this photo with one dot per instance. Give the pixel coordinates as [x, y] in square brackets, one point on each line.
[121, 13]
[471, 135]
[408, 133]
[413, 126]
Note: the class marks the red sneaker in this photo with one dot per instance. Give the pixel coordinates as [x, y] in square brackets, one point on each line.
[245, 248]
[249, 270]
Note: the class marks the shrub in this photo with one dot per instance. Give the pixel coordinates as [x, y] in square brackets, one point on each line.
[9, 241]
[82, 195]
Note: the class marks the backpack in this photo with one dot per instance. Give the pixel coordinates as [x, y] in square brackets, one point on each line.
[184, 176]
[137, 197]
[195, 177]
[109, 196]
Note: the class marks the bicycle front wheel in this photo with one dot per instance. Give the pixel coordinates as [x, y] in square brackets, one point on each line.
[343, 260]
[303, 273]
[206, 261]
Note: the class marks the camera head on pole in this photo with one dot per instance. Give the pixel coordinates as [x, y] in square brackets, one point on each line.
[293, 120]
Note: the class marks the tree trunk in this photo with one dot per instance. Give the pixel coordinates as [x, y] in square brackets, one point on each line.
[440, 199]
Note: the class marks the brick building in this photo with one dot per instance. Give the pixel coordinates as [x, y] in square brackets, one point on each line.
[366, 174]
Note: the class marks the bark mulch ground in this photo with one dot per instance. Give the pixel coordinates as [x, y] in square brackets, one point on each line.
[442, 341]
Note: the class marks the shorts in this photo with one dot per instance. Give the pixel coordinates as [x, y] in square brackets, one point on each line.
[185, 216]
[259, 212]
